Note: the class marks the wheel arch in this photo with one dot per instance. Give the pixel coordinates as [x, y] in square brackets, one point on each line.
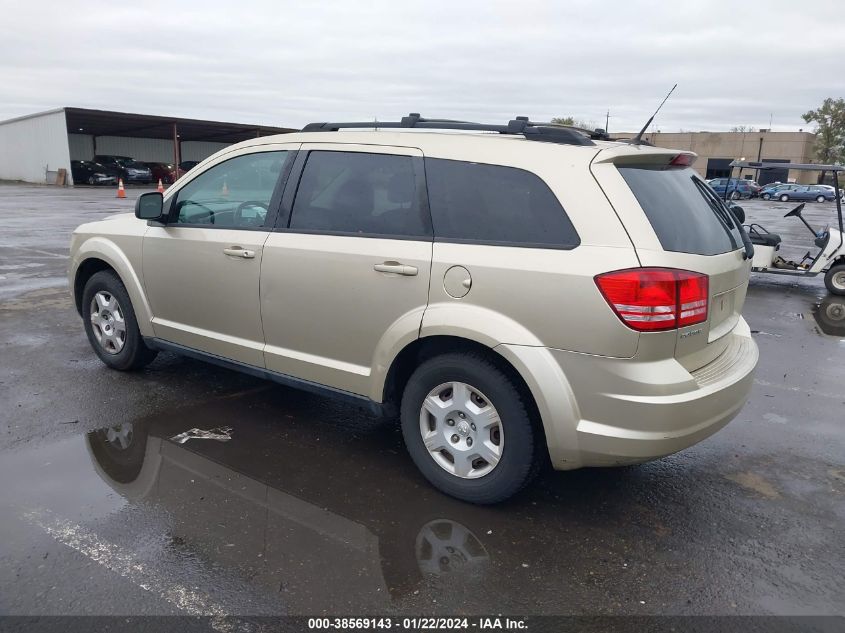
[87, 269]
[98, 254]
[422, 349]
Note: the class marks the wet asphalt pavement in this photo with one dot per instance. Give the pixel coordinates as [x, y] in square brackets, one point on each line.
[313, 506]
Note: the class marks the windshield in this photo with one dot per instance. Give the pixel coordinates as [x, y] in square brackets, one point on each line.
[686, 214]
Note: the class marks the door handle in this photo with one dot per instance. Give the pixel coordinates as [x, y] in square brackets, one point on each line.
[396, 268]
[237, 251]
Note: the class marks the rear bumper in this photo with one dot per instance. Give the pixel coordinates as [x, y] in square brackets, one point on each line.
[624, 411]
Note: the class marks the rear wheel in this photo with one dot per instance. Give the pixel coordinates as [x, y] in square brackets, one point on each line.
[468, 429]
[111, 325]
[820, 198]
[784, 198]
[735, 195]
[834, 279]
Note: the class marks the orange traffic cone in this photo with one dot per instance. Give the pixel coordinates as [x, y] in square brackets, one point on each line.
[160, 187]
[121, 192]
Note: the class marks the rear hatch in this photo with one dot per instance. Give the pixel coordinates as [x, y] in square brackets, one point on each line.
[676, 221]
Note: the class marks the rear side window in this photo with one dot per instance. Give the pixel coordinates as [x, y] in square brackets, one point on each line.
[683, 210]
[474, 202]
[358, 193]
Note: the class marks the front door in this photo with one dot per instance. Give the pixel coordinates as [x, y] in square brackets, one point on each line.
[346, 274]
[201, 270]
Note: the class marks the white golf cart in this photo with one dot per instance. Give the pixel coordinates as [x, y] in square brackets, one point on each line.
[830, 259]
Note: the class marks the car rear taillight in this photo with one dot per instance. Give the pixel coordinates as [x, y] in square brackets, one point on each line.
[653, 299]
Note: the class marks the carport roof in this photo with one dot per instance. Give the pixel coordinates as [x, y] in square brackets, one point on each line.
[109, 123]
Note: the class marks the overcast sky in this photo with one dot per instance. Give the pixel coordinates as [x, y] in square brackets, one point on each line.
[287, 64]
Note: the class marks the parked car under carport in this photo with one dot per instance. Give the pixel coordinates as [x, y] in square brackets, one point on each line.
[91, 173]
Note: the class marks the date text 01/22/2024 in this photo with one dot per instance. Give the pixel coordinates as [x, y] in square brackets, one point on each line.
[418, 624]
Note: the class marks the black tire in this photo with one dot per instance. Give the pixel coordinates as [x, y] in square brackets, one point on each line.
[134, 354]
[91, 180]
[821, 199]
[520, 460]
[784, 197]
[834, 279]
[766, 196]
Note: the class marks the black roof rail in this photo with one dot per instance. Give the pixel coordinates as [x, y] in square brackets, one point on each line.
[548, 132]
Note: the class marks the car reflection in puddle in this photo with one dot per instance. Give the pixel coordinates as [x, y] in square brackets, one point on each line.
[829, 313]
[335, 554]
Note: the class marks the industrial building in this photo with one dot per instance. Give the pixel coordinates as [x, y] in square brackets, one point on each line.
[716, 150]
[34, 148]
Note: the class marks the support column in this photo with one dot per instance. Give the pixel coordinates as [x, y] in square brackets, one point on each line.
[177, 149]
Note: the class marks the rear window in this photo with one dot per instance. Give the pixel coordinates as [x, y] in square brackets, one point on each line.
[491, 204]
[685, 213]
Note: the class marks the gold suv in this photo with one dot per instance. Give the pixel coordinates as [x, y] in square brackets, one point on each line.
[517, 293]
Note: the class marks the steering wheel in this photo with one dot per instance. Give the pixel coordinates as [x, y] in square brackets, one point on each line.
[208, 216]
[257, 220]
[796, 211]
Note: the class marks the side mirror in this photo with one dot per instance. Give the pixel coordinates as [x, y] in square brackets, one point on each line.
[149, 206]
[739, 212]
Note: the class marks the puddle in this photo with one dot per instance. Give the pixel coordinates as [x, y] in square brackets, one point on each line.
[136, 505]
[294, 515]
[829, 314]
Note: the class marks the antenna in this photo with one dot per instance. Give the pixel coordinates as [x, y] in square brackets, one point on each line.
[638, 139]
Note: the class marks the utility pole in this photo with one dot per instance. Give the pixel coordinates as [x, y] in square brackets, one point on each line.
[607, 121]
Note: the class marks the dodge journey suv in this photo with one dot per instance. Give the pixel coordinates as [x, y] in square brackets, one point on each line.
[515, 294]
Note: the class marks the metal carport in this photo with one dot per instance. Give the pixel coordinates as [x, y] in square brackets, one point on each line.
[33, 148]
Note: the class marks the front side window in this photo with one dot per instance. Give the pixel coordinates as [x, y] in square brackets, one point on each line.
[233, 194]
[491, 204]
[360, 194]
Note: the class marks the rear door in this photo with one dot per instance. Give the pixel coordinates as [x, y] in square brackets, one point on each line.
[346, 272]
[676, 221]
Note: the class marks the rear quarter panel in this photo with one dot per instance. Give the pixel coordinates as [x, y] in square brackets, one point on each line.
[537, 296]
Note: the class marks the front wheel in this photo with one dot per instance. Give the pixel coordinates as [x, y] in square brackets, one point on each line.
[468, 429]
[784, 198]
[766, 196]
[820, 198]
[111, 325]
[834, 279]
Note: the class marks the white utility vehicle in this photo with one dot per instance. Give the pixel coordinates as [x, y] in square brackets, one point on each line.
[830, 241]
